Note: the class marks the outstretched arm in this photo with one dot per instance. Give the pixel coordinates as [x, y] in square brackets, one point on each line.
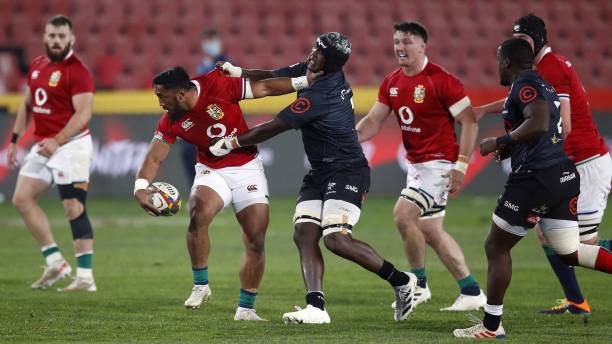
[237, 72]
[370, 124]
[535, 125]
[252, 137]
[494, 107]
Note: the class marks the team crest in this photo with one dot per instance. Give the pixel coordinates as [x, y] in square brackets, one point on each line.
[214, 111]
[419, 94]
[55, 78]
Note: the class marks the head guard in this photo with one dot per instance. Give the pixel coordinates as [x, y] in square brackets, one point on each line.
[534, 27]
[336, 49]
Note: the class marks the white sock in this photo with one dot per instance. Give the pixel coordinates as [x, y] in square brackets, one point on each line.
[54, 258]
[85, 273]
[496, 310]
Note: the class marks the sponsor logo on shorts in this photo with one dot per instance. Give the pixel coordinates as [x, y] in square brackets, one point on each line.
[533, 219]
[511, 206]
[252, 188]
[567, 177]
[330, 188]
[543, 209]
[351, 188]
[214, 111]
[573, 205]
[205, 172]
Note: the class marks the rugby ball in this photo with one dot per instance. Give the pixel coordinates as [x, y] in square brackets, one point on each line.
[165, 197]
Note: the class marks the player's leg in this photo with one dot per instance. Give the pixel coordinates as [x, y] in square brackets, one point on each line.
[306, 236]
[471, 297]
[341, 212]
[406, 218]
[74, 198]
[33, 179]
[209, 195]
[250, 200]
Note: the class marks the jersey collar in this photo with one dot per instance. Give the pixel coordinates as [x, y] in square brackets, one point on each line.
[546, 51]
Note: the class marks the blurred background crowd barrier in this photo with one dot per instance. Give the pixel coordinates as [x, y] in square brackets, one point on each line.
[125, 43]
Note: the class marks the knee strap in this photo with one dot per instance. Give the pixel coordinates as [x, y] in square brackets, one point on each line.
[81, 227]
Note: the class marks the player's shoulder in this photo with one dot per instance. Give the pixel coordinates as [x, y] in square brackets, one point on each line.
[439, 73]
[75, 63]
[39, 61]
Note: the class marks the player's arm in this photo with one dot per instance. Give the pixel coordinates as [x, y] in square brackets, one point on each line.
[255, 135]
[237, 72]
[494, 107]
[566, 117]
[371, 123]
[157, 153]
[280, 86]
[24, 115]
[467, 141]
[83, 108]
[536, 124]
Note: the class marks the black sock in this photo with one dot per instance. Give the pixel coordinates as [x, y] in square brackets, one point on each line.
[316, 299]
[390, 274]
[491, 322]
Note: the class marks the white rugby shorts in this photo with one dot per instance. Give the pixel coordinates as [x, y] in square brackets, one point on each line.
[429, 181]
[69, 164]
[595, 178]
[240, 186]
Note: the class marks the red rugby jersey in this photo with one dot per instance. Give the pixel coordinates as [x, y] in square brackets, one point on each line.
[425, 105]
[584, 141]
[216, 114]
[53, 84]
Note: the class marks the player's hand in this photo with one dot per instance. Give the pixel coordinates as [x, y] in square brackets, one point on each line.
[501, 153]
[312, 76]
[143, 197]
[48, 146]
[455, 180]
[488, 145]
[229, 69]
[220, 146]
[12, 156]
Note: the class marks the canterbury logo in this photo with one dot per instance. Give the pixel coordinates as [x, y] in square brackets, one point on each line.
[252, 188]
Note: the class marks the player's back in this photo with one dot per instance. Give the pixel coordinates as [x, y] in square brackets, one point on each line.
[584, 140]
[548, 149]
[325, 115]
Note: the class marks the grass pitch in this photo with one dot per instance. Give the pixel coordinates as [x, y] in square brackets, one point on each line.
[143, 275]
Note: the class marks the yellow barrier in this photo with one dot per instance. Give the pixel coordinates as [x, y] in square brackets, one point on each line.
[145, 102]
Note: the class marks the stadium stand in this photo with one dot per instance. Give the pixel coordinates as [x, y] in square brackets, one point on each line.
[125, 42]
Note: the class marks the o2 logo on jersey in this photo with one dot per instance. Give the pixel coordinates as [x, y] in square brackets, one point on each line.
[40, 96]
[405, 115]
[300, 105]
[527, 93]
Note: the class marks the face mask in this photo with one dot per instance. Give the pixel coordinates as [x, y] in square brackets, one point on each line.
[212, 48]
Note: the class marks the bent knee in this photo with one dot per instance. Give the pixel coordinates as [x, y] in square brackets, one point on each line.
[21, 202]
[337, 242]
[73, 208]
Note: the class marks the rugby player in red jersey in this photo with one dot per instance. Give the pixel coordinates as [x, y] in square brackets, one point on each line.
[583, 144]
[199, 110]
[427, 101]
[59, 99]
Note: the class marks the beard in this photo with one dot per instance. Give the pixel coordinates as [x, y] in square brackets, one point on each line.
[59, 56]
[175, 115]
